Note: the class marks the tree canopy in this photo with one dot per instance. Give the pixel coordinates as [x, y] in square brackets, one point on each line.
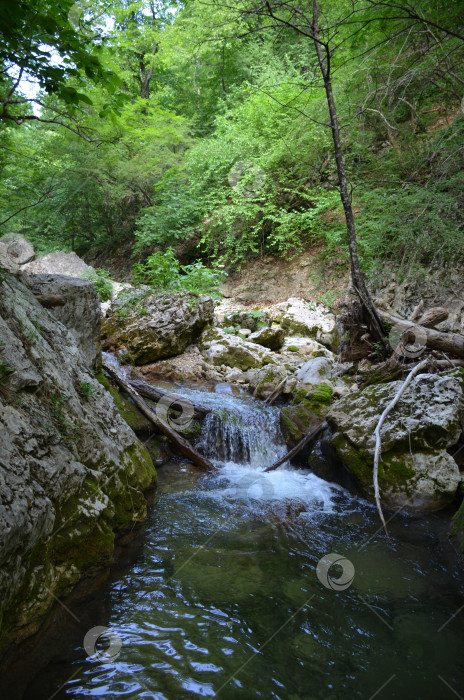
[204, 126]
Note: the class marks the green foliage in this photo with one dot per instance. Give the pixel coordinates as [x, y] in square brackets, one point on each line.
[86, 390]
[101, 280]
[413, 226]
[65, 427]
[5, 369]
[219, 145]
[162, 271]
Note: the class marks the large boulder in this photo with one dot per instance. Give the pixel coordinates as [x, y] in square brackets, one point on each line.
[318, 370]
[72, 472]
[80, 314]
[15, 251]
[221, 348]
[301, 318]
[157, 327]
[59, 263]
[272, 338]
[265, 380]
[415, 470]
[244, 318]
[307, 409]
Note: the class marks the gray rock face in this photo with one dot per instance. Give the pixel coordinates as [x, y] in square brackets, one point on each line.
[272, 338]
[298, 317]
[59, 263]
[72, 473]
[168, 324]
[415, 471]
[443, 286]
[15, 251]
[318, 370]
[220, 348]
[264, 381]
[252, 320]
[81, 313]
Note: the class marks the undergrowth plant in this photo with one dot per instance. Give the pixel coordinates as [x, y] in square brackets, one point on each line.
[101, 280]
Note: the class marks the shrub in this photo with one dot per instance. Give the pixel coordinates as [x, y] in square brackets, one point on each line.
[162, 271]
[102, 282]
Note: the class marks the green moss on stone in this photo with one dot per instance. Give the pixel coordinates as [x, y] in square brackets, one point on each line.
[130, 413]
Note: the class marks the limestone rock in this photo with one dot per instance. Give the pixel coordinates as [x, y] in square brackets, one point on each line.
[415, 470]
[15, 251]
[243, 318]
[307, 409]
[308, 346]
[80, 314]
[272, 338]
[160, 326]
[220, 348]
[318, 370]
[264, 381]
[59, 263]
[72, 473]
[299, 317]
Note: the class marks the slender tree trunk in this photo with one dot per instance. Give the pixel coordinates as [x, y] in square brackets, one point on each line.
[373, 321]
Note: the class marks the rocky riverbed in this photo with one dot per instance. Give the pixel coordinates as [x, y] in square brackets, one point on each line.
[73, 472]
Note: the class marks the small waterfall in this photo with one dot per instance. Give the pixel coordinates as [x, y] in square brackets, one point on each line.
[243, 434]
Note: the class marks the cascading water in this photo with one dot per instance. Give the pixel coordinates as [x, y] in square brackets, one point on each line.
[243, 434]
[242, 437]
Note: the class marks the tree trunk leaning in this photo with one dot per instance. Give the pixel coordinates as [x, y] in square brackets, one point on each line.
[181, 443]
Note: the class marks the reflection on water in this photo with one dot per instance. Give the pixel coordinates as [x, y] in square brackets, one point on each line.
[218, 596]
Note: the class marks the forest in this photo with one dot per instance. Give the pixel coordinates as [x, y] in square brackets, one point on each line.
[204, 127]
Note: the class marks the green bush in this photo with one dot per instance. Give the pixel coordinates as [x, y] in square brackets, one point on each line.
[162, 271]
[102, 282]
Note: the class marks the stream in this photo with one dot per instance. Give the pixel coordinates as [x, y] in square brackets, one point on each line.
[218, 594]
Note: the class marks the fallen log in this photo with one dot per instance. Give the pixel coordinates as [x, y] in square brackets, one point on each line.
[429, 337]
[433, 317]
[448, 364]
[178, 401]
[311, 435]
[50, 301]
[181, 443]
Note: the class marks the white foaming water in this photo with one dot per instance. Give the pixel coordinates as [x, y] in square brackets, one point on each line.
[237, 482]
[242, 437]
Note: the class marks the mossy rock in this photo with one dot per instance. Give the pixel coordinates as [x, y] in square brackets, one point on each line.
[307, 409]
[131, 414]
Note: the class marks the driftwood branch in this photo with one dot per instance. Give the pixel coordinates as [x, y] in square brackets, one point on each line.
[181, 443]
[378, 437]
[155, 394]
[307, 438]
[276, 393]
[417, 311]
